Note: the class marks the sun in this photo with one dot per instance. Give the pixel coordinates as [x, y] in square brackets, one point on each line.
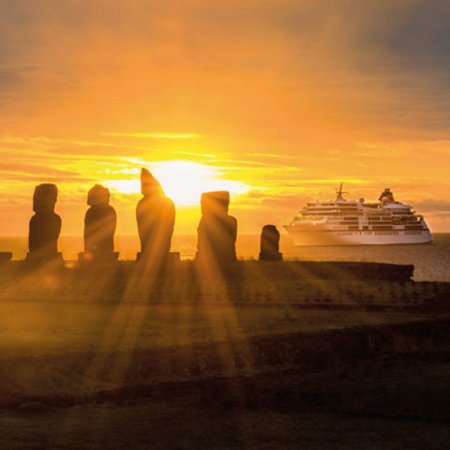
[182, 181]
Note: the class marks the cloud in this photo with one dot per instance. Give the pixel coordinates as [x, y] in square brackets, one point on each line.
[15, 170]
[352, 63]
[154, 135]
[291, 96]
[414, 35]
[10, 80]
[435, 205]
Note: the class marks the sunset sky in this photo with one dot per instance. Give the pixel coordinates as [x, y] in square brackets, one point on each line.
[276, 100]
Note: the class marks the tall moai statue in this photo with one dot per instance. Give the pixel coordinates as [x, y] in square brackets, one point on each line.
[217, 230]
[270, 244]
[99, 225]
[45, 225]
[155, 215]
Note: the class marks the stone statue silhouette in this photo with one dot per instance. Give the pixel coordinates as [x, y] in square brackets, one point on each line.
[155, 215]
[99, 223]
[217, 230]
[270, 243]
[45, 225]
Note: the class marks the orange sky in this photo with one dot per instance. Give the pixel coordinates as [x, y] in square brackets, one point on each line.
[279, 100]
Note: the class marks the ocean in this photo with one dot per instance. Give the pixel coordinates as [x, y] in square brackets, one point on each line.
[431, 261]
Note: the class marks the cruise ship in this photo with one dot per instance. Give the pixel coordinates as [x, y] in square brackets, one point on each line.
[346, 222]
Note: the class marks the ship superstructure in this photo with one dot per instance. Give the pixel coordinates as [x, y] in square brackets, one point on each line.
[347, 222]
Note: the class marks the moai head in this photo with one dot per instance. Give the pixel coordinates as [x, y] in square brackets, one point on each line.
[270, 239]
[270, 232]
[270, 242]
[215, 203]
[44, 198]
[98, 196]
[149, 184]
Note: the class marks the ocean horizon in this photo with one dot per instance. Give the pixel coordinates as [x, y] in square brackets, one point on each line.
[431, 261]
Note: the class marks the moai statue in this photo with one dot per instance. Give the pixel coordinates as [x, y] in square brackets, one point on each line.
[99, 225]
[45, 225]
[217, 231]
[155, 215]
[270, 243]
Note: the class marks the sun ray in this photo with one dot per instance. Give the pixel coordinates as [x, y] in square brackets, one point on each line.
[182, 181]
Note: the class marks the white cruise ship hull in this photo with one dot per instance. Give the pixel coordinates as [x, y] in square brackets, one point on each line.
[317, 236]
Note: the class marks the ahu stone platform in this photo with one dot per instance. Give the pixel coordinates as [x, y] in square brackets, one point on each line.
[337, 271]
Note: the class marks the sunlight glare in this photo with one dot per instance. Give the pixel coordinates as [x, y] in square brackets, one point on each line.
[182, 181]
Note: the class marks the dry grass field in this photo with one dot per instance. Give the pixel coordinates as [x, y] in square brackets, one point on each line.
[263, 356]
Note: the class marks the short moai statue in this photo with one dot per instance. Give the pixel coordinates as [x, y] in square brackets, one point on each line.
[270, 244]
[99, 225]
[217, 230]
[45, 225]
[155, 215]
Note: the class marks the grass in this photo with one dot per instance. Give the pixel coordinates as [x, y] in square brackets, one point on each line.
[262, 358]
[31, 329]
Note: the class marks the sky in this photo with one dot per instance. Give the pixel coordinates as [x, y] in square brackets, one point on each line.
[276, 100]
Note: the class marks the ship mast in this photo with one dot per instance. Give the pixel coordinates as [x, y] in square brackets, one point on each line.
[339, 193]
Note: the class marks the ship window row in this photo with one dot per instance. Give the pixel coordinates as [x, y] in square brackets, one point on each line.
[356, 217]
[379, 233]
[386, 233]
[376, 233]
[332, 205]
[327, 208]
[331, 213]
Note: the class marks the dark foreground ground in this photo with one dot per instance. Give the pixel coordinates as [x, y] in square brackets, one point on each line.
[268, 357]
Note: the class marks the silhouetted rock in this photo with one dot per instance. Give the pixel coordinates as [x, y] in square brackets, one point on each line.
[270, 243]
[155, 215]
[99, 225]
[217, 230]
[45, 225]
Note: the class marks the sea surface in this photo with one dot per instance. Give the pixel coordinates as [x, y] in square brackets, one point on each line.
[431, 261]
